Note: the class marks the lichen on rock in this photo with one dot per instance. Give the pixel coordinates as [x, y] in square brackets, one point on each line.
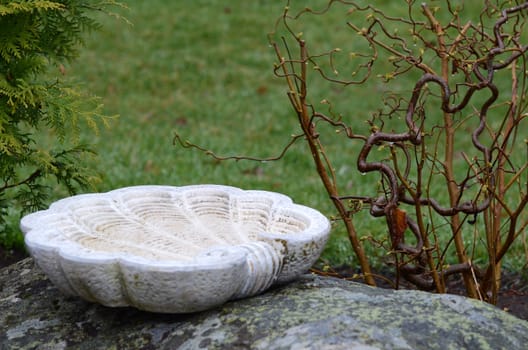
[311, 313]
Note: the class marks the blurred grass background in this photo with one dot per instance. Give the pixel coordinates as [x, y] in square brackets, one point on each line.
[204, 70]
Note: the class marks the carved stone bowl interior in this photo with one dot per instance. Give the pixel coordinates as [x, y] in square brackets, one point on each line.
[174, 249]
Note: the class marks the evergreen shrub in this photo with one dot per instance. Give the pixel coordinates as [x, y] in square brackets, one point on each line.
[37, 40]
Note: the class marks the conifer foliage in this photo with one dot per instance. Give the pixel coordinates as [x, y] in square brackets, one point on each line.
[36, 39]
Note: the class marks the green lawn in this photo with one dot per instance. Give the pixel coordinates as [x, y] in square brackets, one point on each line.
[204, 70]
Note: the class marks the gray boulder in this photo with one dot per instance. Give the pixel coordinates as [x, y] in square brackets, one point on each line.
[311, 313]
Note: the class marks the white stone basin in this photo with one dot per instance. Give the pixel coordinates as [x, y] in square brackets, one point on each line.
[174, 249]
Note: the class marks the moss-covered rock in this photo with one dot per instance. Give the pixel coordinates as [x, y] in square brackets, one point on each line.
[311, 313]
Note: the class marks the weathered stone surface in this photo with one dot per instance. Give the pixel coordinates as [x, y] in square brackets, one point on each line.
[312, 313]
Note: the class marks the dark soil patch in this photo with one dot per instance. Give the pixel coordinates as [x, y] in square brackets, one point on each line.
[513, 297]
[10, 256]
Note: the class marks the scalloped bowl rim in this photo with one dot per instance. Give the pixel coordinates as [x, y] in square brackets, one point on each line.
[320, 227]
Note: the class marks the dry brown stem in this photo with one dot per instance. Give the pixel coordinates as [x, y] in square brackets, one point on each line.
[459, 130]
[461, 72]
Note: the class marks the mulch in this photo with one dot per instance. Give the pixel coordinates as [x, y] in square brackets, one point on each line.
[513, 297]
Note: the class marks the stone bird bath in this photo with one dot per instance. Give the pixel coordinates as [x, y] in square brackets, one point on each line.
[174, 249]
